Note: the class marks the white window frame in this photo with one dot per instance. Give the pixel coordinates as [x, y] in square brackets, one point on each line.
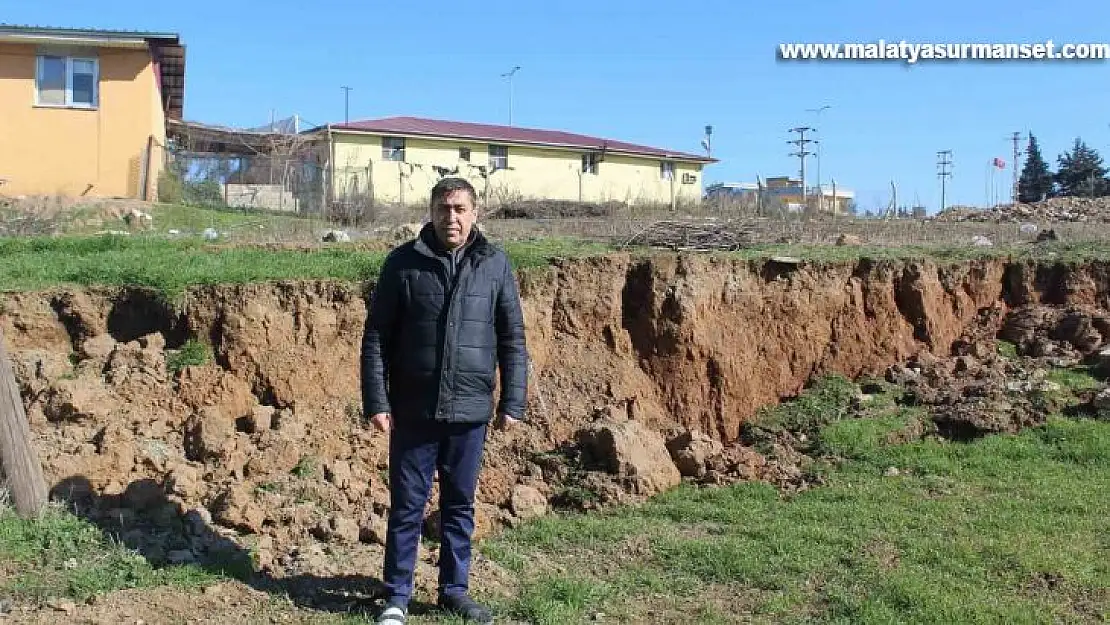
[497, 161]
[591, 163]
[394, 150]
[69, 61]
[666, 170]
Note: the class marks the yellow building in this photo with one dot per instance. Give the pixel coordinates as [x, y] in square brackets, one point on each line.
[83, 112]
[399, 159]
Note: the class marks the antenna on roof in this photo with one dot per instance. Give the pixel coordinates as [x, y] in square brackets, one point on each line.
[706, 143]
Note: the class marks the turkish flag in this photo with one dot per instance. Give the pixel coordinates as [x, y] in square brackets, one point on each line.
[999, 163]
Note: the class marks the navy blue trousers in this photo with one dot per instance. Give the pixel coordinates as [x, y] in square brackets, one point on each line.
[415, 451]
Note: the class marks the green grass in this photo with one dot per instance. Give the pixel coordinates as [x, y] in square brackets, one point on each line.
[1003, 529]
[60, 555]
[171, 266]
[193, 353]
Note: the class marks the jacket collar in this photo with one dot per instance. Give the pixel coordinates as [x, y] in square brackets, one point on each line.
[427, 244]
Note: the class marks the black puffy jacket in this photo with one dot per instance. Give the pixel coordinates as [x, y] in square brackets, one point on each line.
[433, 342]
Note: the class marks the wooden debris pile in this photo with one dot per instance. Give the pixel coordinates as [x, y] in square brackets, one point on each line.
[699, 236]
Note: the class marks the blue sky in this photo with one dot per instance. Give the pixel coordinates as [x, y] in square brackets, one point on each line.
[653, 73]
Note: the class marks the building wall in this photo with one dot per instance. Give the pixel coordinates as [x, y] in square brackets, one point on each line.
[80, 152]
[534, 172]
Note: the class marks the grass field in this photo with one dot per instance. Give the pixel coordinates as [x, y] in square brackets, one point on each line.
[1003, 529]
[169, 265]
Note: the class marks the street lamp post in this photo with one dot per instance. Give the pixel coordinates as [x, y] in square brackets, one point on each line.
[820, 191]
[509, 74]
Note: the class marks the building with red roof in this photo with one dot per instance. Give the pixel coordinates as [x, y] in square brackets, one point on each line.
[399, 159]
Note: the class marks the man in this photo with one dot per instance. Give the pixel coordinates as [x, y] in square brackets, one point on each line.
[444, 315]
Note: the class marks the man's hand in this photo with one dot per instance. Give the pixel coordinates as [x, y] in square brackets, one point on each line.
[383, 421]
[508, 423]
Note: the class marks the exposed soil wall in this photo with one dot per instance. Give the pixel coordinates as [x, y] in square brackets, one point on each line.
[265, 438]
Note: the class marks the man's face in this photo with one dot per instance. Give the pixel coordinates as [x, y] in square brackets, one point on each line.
[453, 216]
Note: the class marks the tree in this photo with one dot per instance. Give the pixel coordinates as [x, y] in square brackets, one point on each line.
[1035, 183]
[1081, 172]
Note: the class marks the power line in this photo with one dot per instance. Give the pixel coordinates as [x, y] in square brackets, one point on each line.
[944, 159]
[802, 153]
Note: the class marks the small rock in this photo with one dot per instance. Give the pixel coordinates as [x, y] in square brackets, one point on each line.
[143, 494]
[981, 241]
[848, 239]
[198, 520]
[62, 605]
[892, 472]
[98, 347]
[1101, 401]
[338, 473]
[528, 503]
[261, 419]
[337, 236]
[692, 452]
[236, 508]
[338, 529]
[184, 481]
[374, 530]
[633, 451]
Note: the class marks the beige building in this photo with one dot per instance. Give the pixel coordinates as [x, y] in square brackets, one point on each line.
[83, 112]
[399, 159]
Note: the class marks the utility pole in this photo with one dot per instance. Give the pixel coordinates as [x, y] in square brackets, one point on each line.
[509, 75]
[346, 105]
[802, 153]
[820, 191]
[944, 159]
[1017, 154]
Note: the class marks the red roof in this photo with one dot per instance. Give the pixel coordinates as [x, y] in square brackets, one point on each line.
[417, 126]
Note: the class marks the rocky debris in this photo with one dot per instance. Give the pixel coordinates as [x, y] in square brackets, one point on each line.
[693, 453]
[236, 508]
[248, 452]
[137, 219]
[633, 452]
[978, 391]
[406, 232]
[527, 503]
[1052, 210]
[336, 236]
[210, 435]
[79, 399]
[338, 528]
[846, 239]
[1067, 334]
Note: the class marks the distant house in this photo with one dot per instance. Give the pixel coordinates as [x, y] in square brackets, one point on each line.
[399, 159]
[784, 192]
[83, 112]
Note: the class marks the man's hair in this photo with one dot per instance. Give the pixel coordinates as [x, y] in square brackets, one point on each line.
[448, 185]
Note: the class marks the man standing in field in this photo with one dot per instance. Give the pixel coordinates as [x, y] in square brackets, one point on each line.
[444, 315]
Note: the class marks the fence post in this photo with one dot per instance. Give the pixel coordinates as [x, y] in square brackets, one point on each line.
[18, 462]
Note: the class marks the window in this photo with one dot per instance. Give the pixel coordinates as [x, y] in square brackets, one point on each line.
[590, 163]
[393, 148]
[66, 81]
[666, 170]
[464, 154]
[498, 157]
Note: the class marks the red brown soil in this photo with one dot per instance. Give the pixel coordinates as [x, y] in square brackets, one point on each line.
[645, 368]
